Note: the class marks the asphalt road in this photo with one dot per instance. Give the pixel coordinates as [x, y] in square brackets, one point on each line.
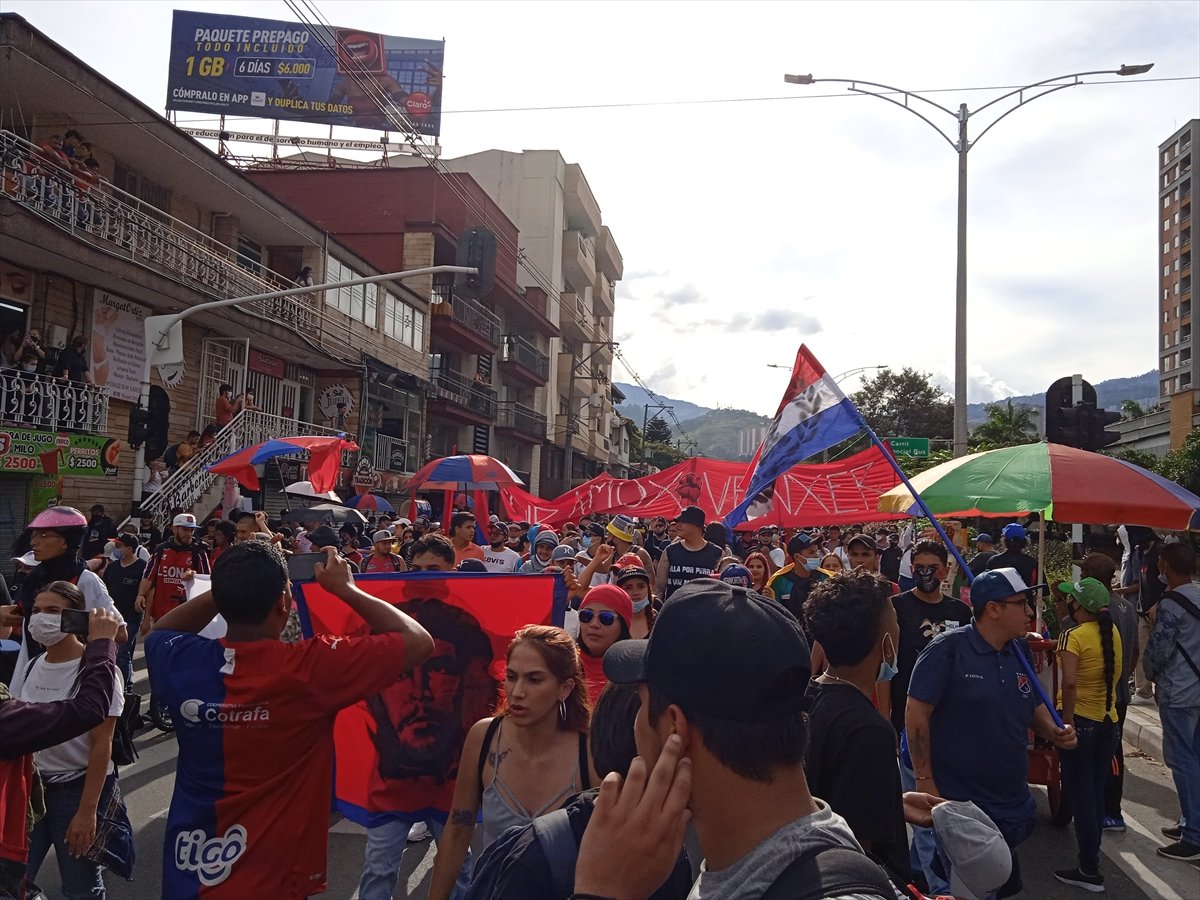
[1131, 868]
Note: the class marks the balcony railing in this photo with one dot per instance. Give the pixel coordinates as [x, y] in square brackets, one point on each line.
[51, 404]
[121, 224]
[517, 349]
[471, 315]
[191, 481]
[521, 418]
[468, 394]
[391, 454]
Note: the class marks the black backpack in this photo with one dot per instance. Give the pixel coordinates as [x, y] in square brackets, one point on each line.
[831, 872]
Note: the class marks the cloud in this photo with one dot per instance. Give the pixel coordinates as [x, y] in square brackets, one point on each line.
[639, 274]
[782, 319]
[686, 295]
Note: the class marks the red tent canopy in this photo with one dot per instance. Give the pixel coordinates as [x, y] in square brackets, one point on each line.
[847, 490]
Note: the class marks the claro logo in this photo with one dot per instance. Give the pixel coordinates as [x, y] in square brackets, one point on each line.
[203, 712]
[210, 858]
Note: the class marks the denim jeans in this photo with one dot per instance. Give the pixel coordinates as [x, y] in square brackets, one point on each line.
[1084, 771]
[385, 851]
[924, 845]
[1181, 753]
[133, 623]
[81, 879]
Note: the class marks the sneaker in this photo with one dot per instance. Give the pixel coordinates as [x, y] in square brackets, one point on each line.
[1180, 850]
[419, 832]
[1114, 823]
[1079, 878]
[1174, 832]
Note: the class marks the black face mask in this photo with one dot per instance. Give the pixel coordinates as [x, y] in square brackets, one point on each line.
[926, 578]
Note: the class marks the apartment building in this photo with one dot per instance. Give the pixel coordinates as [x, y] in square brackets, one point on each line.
[162, 224]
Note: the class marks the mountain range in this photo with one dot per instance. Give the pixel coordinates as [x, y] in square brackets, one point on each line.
[715, 430]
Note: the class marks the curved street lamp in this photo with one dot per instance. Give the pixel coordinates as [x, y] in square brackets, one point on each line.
[962, 145]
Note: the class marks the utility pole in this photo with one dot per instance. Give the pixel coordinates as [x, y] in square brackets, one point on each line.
[569, 452]
[661, 407]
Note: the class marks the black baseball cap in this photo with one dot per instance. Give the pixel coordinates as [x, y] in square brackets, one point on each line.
[801, 541]
[324, 537]
[864, 541]
[721, 650]
[691, 515]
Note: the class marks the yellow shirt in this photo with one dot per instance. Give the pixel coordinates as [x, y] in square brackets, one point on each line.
[1084, 641]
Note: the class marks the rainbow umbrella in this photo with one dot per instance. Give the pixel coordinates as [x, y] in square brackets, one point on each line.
[324, 457]
[473, 471]
[1058, 482]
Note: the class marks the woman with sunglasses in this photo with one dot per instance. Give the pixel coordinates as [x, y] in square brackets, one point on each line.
[528, 760]
[604, 618]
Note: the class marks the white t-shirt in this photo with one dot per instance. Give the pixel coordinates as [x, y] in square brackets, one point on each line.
[48, 682]
[504, 560]
[95, 596]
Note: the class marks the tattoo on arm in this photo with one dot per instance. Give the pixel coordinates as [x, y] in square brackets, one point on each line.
[464, 818]
[918, 746]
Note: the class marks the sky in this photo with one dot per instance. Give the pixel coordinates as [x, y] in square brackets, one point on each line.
[805, 214]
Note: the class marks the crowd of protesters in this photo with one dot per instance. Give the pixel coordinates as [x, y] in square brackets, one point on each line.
[805, 703]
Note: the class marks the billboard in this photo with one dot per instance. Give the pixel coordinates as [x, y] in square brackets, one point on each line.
[264, 68]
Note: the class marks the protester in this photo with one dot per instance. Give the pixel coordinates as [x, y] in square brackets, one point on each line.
[760, 573]
[959, 754]
[177, 455]
[223, 407]
[1089, 664]
[1147, 546]
[791, 584]
[656, 540]
[831, 563]
[889, 558]
[149, 534]
[728, 741]
[691, 557]
[635, 582]
[29, 727]
[604, 619]
[1014, 555]
[78, 775]
[55, 536]
[984, 551]
[277, 797]
[850, 761]
[498, 556]
[527, 760]
[433, 553]
[540, 556]
[382, 559]
[1172, 662]
[224, 536]
[72, 362]
[462, 536]
[100, 530]
[123, 578]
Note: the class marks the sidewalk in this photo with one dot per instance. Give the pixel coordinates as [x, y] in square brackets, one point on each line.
[1143, 728]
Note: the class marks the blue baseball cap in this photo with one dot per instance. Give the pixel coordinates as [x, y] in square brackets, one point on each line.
[1014, 530]
[995, 585]
[984, 538]
[736, 574]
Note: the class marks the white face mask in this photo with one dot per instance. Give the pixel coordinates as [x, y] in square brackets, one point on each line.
[44, 628]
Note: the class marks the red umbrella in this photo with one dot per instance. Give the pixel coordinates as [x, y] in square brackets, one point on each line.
[324, 457]
[474, 471]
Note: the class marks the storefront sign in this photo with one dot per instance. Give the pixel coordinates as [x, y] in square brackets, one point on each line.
[118, 345]
[336, 403]
[43, 494]
[365, 476]
[22, 452]
[266, 364]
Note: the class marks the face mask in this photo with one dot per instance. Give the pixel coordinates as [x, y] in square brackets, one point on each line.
[641, 605]
[1162, 578]
[927, 583]
[812, 564]
[887, 670]
[587, 540]
[44, 628]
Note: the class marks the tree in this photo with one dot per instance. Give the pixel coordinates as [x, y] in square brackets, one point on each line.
[905, 404]
[1131, 409]
[1182, 465]
[1006, 426]
[658, 431]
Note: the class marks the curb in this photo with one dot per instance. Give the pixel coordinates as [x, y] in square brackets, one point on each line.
[1143, 729]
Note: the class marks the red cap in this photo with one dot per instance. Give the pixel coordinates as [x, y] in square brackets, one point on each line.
[613, 597]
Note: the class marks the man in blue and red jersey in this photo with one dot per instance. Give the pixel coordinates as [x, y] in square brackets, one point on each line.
[254, 720]
[164, 586]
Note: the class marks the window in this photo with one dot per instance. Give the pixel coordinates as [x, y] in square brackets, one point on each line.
[357, 301]
[1166, 201]
[249, 254]
[403, 322]
[1166, 224]
[1166, 247]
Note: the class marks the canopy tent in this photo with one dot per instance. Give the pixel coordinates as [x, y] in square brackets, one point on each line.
[847, 490]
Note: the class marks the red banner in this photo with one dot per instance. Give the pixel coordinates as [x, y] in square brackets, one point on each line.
[820, 494]
[397, 753]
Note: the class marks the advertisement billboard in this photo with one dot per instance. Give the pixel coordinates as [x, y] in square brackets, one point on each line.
[264, 68]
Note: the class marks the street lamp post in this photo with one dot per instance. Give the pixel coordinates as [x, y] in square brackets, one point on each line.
[962, 146]
[164, 338]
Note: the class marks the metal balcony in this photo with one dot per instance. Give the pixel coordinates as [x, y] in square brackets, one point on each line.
[522, 360]
[44, 403]
[463, 322]
[458, 398]
[121, 224]
[521, 421]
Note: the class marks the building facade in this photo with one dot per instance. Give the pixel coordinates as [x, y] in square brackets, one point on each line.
[157, 224]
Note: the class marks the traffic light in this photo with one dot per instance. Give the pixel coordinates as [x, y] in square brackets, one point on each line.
[1098, 435]
[1084, 426]
[139, 425]
[477, 249]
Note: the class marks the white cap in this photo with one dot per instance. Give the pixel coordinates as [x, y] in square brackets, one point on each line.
[980, 860]
[401, 521]
[184, 520]
[384, 535]
[26, 560]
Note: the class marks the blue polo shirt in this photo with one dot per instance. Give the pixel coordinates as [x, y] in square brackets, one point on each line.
[983, 706]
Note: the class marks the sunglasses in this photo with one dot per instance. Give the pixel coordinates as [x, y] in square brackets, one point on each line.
[607, 617]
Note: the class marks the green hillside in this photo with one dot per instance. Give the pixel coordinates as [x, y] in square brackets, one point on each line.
[716, 432]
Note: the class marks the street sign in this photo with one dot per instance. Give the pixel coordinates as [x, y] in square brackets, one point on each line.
[914, 448]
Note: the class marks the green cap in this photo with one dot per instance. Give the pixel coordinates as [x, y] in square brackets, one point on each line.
[1091, 594]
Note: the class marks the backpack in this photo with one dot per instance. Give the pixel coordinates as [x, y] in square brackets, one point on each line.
[128, 723]
[1190, 608]
[831, 872]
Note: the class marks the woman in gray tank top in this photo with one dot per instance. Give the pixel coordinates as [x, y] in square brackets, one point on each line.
[530, 759]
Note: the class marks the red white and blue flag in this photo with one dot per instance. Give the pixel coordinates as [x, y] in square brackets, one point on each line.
[813, 416]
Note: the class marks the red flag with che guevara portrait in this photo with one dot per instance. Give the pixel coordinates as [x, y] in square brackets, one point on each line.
[396, 754]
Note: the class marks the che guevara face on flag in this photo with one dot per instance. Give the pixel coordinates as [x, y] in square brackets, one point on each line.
[398, 753]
